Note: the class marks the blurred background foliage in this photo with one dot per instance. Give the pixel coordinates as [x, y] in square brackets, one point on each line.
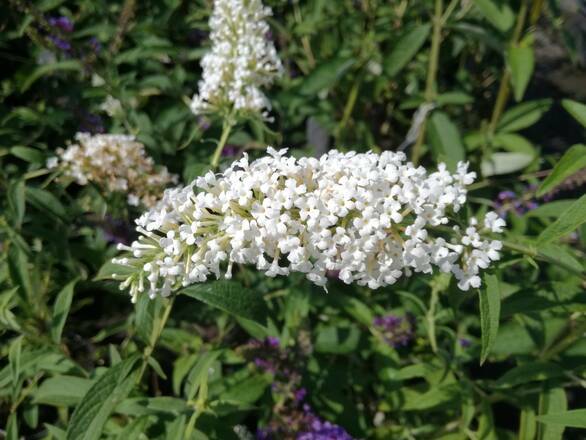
[494, 82]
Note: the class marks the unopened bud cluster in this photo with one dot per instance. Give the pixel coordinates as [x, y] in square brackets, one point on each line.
[373, 218]
[117, 163]
[241, 61]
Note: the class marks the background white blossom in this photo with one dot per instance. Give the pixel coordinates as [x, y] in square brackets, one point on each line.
[241, 61]
[117, 163]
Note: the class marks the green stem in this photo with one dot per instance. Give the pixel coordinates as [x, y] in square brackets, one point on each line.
[348, 107]
[155, 335]
[449, 10]
[430, 89]
[198, 408]
[431, 319]
[504, 88]
[560, 345]
[226, 128]
[304, 39]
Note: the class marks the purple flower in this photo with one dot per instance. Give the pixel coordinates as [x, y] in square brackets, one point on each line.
[62, 23]
[317, 429]
[60, 43]
[300, 394]
[397, 331]
[505, 195]
[95, 45]
[263, 434]
[230, 151]
[464, 342]
[510, 201]
[264, 365]
[203, 123]
[272, 341]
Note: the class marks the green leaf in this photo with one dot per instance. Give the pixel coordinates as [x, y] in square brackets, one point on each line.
[523, 115]
[521, 62]
[551, 210]
[445, 140]
[406, 48]
[436, 396]
[16, 201]
[139, 406]
[147, 312]
[325, 76]
[55, 432]
[568, 222]
[572, 161]
[62, 390]
[12, 427]
[199, 373]
[527, 424]
[14, 360]
[533, 371]
[561, 254]
[135, 429]
[230, 297]
[156, 367]
[35, 361]
[498, 14]
[338, 340]
[296, 307]
[505, 163]
[28, 154]
[20, 274]
[490, 309]
[248, 390]
[514, 143]
[552, 401]
[30, 415]
[46, 202]
[8, 320]
[61, 310]
[576, 109]
[453, 98]
[575, 418]
[67, 65]
[356, 308]
[91, 414]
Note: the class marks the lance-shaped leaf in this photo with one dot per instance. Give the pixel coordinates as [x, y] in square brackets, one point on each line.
[230, 297]
[490, 310]
[90, 416]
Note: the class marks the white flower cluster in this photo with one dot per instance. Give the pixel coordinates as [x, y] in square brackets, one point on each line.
[371, 217]
[241, 60]
[118, 163]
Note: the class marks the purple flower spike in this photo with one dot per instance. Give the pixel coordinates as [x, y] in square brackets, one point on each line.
[63, 23]
[300, 394]
[397, 330]
[61, 44]
[272, 341]
[505, 195]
